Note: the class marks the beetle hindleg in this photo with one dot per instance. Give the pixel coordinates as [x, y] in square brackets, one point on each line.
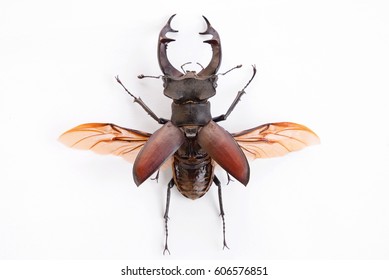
[229, 178]
[219, 187]
[142, 104]
[166, 216]
[157, 176]
[237, 99]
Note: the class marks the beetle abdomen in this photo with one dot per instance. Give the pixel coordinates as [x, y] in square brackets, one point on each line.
[193, 178]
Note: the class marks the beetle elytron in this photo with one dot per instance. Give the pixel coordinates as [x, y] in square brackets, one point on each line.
[191, 139]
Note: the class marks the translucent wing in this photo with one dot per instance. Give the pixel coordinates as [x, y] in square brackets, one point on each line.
[106, 138]
[275, 139]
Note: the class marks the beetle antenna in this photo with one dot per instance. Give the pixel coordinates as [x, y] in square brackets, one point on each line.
[141, 76]
[198, 63]
[182, 66]
[236, 67]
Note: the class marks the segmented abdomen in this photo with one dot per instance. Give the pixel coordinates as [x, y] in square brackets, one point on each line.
[193, 178]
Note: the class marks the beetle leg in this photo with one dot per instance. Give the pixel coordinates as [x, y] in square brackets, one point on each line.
[229, 178]
[237, 99]
[157, 176]
[166, 216]
[142, 104]
[219, 187]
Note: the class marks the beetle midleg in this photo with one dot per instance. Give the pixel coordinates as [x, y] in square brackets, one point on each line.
[236, 100]
[166, 216]
[142, 104]
[219, 188]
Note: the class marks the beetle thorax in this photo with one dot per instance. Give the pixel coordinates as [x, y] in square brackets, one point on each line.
[190, 87]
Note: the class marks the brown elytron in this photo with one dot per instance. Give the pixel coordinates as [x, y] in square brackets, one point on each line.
[191, 140]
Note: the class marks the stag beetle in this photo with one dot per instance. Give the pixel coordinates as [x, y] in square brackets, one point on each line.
[191, 141]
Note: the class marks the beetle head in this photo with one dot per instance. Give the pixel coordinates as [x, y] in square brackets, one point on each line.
[169, 70]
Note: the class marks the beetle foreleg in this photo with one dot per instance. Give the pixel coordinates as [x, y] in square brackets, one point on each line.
[166, 216]
[236, 100]
[142, 104]
[219, 187]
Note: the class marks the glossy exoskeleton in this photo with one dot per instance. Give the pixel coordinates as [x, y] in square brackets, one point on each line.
[192, 140]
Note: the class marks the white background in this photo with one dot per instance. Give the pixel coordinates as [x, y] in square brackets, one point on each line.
[323, 64]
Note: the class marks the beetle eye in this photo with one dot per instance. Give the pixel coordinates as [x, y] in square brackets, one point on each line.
[214, 82]
[165, 81]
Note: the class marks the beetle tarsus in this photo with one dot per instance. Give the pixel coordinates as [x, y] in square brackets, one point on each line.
[252, 77]
[166, 215]
[219, 188]
[166, 250]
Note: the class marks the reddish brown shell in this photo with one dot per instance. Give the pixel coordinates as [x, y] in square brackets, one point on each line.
[222, 148]
[160, 147]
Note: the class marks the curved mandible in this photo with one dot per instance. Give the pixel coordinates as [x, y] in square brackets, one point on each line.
[214, 65]
[164, 63]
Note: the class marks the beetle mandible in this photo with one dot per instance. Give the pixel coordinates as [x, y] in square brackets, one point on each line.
[191, 138]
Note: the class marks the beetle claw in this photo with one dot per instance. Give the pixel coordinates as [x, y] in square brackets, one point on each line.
[167, 250]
